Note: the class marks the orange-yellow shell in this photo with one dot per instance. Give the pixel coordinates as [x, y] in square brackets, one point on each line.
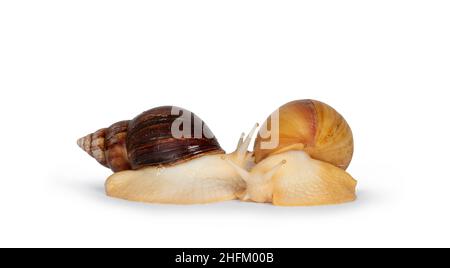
[313, 127]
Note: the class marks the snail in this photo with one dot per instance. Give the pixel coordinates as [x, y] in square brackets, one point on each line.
[168, 155]
[307, 165]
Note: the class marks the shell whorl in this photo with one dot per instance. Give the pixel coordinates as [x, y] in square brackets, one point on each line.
[147, 140]
[150, 140]
[108, 146]
[320, 130]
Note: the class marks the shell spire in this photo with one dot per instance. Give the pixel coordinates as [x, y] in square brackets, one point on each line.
[108, 146]
[94, 145]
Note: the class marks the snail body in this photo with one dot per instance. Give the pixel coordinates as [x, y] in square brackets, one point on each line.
[205, 179]
[293, 178]
[155, 160]
[307, 167]
[159, 158]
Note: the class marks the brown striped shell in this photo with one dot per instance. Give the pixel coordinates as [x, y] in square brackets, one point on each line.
[311, 126]
[147, 140]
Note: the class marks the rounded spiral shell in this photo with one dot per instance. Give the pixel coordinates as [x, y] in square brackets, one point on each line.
[148, 140]
[313, 127]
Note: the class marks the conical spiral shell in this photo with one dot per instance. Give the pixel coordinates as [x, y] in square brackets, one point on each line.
[314, 127]
[148, 140]
[108, 147]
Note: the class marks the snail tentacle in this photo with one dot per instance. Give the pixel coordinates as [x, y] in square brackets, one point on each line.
[269, 174]
[241, 152]
[245, 175]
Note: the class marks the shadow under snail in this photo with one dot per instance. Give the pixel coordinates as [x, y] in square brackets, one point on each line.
[151, 165]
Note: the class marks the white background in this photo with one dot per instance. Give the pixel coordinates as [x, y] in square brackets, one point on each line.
[68, 68]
